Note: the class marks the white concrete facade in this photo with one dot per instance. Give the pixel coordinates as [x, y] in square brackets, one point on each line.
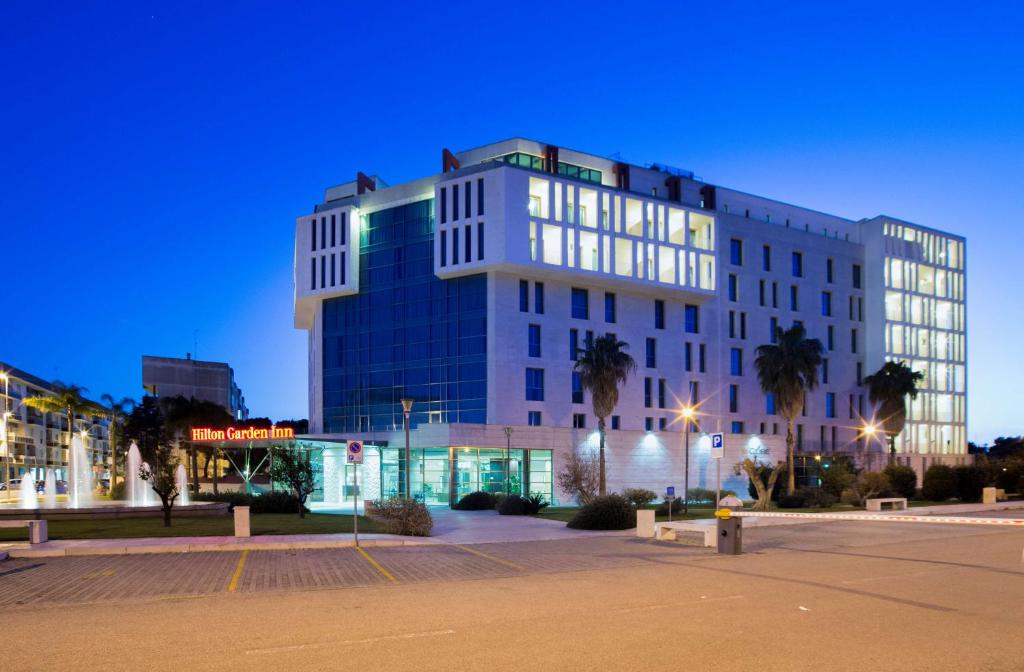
[659, 240]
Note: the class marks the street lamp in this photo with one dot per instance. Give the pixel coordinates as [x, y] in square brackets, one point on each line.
[508, 449]
[406, 409]
[687, 412]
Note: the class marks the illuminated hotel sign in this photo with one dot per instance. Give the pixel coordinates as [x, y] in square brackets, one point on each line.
[242, 433]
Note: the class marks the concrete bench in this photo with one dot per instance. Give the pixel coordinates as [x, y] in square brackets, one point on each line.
[878, 504]
[668, 531]
[36, 529]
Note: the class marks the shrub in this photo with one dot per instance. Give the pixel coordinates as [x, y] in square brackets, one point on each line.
[970, 481]
[513, 505]
[662, 509]
[764, 471]
[232, 498]
[117, 491]
[533, 504]
[807, 498]
[612, 512]
[838, 477]
[407, 517]
[1009, 475]
[275, 502]
[903, 480]
[499, 497]
[475, 501]
[639, 497]
[939, 483]
[868, 485]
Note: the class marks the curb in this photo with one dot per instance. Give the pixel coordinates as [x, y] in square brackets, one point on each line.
[154, 549]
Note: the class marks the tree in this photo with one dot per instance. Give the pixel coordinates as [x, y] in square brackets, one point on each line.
[763, 489]
[579, 476]
[296, 471]
[147, 426]
[66, 399]
[182, 415]
[604, 365]
[888, 388]
[117, 411]
[787, 370]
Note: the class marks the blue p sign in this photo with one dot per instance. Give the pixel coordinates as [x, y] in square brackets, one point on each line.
[670, 491]
[718, 440]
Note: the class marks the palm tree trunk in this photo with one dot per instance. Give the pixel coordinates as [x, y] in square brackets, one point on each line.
[791, 475]
[601, 486]
[194, 468]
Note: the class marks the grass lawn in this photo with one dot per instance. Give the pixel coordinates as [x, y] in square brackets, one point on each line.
[195, 526]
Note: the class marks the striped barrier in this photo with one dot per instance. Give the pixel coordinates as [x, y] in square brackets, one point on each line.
[885, 517]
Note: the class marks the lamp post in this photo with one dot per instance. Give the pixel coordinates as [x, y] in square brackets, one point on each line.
[406, 409]
[687, 414]
[508, 450]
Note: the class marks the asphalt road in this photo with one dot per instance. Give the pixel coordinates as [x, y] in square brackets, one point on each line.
[836, 596]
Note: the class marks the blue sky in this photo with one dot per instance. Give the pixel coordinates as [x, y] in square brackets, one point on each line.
[155, 154]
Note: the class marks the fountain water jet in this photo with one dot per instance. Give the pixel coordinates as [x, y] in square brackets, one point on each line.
[181, 480]
[29, 500]
[148, 496]
[135, 487]
[80, 483]
[50, 496]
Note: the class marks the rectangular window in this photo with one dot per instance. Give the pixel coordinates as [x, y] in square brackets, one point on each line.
[830, 337]
[444, 248]
[580, 304]
[524, 296]
[798, 265]
[334, 231]
[760, 292]
[647, 393]
[736, 427]
[535, 384]
[856, 276]
[312, 273]
[615, 422]
[469, 210]
[661, 392]
[534, 340]
[828, 270]
[769, 403]
[773, 330]
[323, 232]
[766, 258]
[480, 197]
[651, 351]
[579, 420]
[538, 297]
[479, 241]
[688, 356]
[775, 295]
[323, 271]
[694, 392]
[743, 326]
[662, 424]
[444, 204]
[588, 338]
[469, 243]
[533, 418]
[648, 424]
[735, 252]
[574, 344]
[826, 304]
[312, 233]
[577, 388]
[334, 269]
[732, 324]
[794, 298]
[455, 246]
[830, 404]
[344, 229]
[455, 203]
[691, 319]
[734, 287]
[736, 361]
[343, 267]
[853, 341]
[702, 359]
[734, 398]
[860, 375]
[659, 314]
[609, 307]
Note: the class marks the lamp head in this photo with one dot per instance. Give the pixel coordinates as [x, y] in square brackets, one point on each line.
[406, 404]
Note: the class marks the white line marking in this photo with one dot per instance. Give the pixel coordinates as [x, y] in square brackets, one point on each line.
[352, 642]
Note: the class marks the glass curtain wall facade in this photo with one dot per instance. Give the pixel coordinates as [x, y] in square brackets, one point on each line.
[407, 333]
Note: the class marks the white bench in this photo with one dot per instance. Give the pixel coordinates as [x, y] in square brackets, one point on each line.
[877, 504]
[36, 529]
[668, 531]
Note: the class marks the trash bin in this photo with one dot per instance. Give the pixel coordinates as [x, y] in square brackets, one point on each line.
[730, 535]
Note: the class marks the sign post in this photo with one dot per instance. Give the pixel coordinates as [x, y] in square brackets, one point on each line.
[354, 455]
[717, 453]
[670, 494]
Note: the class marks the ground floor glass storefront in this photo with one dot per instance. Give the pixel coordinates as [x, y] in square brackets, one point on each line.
[437, 476]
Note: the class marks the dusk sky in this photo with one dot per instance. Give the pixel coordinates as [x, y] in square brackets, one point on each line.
[155, 155]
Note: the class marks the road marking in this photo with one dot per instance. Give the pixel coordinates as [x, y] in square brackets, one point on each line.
[21, 569]
[376, 565]
[351, 642]
[238, 571]
[491, 557]
[99, 575]
[704, 599]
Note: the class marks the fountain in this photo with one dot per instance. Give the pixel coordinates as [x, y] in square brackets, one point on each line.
[148, 498]
[50, 496]
[135, 487]
[80, 483]
[28, 492]
[181, 480]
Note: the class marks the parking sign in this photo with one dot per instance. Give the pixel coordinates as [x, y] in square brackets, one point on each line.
[355, 452]
[718, 445]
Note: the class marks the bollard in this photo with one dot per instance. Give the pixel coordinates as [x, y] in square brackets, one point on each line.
[241, 521]
[730, 533]
[645, 523]
[37, 533]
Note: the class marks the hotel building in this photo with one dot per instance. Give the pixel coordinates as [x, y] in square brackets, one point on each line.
[470, 290]
[191, 378]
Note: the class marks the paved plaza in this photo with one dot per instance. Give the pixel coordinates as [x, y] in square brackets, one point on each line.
[819, 596]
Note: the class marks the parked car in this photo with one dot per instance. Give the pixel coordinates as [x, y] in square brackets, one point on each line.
[15, 484]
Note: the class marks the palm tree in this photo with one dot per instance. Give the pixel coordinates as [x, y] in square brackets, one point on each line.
[604, 365]
[787, 369]
[182, 414]
[66, 399]
[117, 411]
[889, 388]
